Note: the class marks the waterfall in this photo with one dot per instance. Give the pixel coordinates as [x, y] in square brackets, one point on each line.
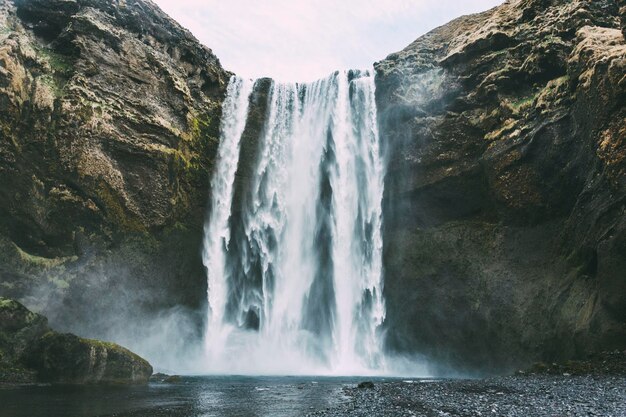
[294, 262]
[216, 230]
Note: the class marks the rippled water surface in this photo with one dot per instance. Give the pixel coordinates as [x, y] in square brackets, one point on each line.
[193, 396]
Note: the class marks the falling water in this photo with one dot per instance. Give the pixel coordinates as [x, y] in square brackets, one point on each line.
[216, 230]
[294, 263]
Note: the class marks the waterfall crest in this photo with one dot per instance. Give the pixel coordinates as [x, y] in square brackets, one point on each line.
[295, 265]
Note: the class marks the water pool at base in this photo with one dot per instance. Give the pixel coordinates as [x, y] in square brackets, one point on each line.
[206, 396]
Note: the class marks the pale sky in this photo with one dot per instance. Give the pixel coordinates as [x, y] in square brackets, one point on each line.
[303, 40]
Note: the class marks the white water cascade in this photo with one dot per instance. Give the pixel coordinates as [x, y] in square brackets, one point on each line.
[216, 230]
[294, 252]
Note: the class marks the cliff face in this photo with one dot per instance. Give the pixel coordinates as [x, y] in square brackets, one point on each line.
[109, 119]
[506, 192]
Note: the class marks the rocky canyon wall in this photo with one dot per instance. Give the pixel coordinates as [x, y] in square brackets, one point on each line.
[505, 197]
[109, 126]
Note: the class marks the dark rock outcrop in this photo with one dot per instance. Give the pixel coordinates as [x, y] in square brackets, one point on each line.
[66, 358]
[31, 352]
[506, 193]
[19, 327]
[109, 120]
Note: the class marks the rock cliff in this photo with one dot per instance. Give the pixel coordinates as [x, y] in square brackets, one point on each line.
[109, 124]
[506, 192]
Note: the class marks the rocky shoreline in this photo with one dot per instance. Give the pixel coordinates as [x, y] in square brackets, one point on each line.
[527, 395]
[595, 386]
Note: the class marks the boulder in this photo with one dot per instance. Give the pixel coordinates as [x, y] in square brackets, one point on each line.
[30, 352]
[18, 328]
[69, 359]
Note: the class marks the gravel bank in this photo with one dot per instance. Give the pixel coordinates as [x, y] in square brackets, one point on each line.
[543, 395]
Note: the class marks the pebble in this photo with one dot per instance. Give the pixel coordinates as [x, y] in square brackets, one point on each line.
[527, 395]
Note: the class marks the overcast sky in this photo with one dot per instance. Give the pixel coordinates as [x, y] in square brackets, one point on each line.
[302, 40]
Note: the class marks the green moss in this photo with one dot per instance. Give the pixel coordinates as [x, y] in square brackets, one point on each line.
[508, 126]
[111, 347]
[84, 112]
[59, 63]
[177, 227]
[523, 104]
[181, 160]
[116, 212]
[549, 41]
[198, 127]
[518, 105]
[498, 53]
[190, 161]
[61, 66]
[7, 303]
[27, 266]
[51, 82]
[553, 94]
[38, 261]
[553, 86]
[91, 108]
[187, 158]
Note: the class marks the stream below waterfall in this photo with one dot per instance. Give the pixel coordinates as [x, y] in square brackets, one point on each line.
[235, 396]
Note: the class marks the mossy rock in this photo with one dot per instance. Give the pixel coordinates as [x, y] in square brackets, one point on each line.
[69, 359]
[30, 352]
[173, 379]
[19, 327]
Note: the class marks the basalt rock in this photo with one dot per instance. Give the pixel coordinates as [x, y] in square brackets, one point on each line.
[506, 192]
